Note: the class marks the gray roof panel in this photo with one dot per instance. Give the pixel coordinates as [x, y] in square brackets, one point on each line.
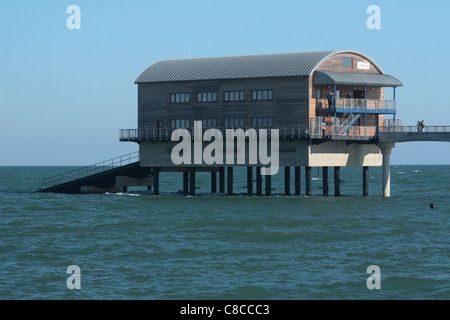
[356, 78]
[238, 67]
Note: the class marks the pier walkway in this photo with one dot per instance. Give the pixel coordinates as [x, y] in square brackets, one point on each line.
[98, 177]
[116, 174]
[412, 133]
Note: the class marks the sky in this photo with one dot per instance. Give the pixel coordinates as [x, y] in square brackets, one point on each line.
[65, 93]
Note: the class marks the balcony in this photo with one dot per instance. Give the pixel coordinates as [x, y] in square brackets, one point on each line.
[356, 106]
[287, 132]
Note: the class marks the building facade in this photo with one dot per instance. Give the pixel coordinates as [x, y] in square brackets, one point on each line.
[289, 92]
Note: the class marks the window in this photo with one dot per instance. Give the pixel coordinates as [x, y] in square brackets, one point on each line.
[262, 122]
[347, 63]
[262, 95]
[179, 123]
[318, 93]
[206, 97]
[179, 97]
[230, 96]
[209, 123]
[234, 123]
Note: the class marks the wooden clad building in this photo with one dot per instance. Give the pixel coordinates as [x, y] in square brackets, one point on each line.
[321, 102]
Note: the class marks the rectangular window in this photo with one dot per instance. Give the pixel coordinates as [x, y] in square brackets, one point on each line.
[318, 94]
[231, 96]
[262, 122]
[179, 98]
[179, 123]
[207, 97]
[209, 123]
[262, 95]
[347, 63]
[234, 123]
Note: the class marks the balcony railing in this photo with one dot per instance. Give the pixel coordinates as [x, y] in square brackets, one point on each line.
[357, 105]
[165, 134]
[313, 131]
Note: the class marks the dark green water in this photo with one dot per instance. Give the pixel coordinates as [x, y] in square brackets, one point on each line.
[138, 246]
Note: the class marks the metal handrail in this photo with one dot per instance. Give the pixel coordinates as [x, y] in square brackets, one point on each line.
[357, 104]
[89, 170]
[412, 129]
[165, 134]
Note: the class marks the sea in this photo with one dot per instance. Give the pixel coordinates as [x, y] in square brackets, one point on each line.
[138, 246]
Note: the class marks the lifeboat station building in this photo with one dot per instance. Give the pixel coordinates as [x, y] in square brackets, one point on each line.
[328, 107]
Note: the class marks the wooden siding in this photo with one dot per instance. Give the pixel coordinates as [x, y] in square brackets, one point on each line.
[334, 63]
[288, 106]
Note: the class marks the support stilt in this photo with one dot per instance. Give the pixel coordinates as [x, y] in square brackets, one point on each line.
[365, 181]
[297, 181]
[325, 188]
[249, 181]
[337, 181]
[287, 181]
[308, 180]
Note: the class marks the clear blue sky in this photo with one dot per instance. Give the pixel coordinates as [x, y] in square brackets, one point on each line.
[64, 94]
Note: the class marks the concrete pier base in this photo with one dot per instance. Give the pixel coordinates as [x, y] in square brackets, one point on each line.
[386, 149]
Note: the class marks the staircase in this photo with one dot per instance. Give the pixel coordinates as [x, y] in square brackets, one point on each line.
[348, 123]
[101, 175]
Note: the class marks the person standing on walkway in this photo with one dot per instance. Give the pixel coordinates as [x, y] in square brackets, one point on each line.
[422, 126]
[330, 99]
[324, 129]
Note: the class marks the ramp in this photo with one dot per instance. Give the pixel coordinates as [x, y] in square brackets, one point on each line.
[101, 175]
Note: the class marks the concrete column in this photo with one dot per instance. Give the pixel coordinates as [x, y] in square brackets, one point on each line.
[222, 180]
[186, 182]
[337, 181]
[325, 180]
[156, 181]
[297, 181]
[386, 149]
[365, 181]
[308, 181]
[192, 182]
[287, 181]
[213, 181]
[258, 181]
[230, 181]
[268, 185]
[249, 181]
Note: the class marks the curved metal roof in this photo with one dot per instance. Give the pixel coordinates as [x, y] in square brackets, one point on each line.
[239, 67]
[355, 78]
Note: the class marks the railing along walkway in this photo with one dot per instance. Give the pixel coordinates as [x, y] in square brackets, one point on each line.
[89, 170]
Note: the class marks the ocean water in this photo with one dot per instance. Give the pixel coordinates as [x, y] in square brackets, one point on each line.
[139, 246]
